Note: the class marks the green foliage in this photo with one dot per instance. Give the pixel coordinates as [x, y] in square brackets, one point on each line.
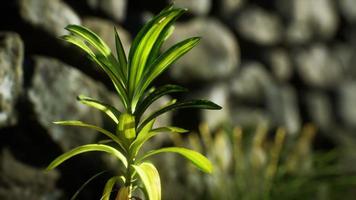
[256, 166]
[131, 78]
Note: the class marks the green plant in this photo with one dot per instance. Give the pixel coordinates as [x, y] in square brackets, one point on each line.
[253, 166]
[132, 77]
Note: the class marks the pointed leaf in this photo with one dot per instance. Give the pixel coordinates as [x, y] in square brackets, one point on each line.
[87, 148]
[166, 89]
[150, 179]
[200, 104]
[140, 141]
[141, 138]
[144, 43]
[89, 36]
[99, 129]
[111, 111]
[109, 185]
[162, 63]
[200, 161]
[121, 56]
[106, 61]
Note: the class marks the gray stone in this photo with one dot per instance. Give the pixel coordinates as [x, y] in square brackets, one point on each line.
[347, 103]
[196, 7]
[307, 19]
[250, 83]
[283, 107]
[348, 10]
[216, 57]
[50, 16]
[280, 64]
[11, 58]
[249, 117]
[53, 92]
[318, 67]
[319, 109]
[228, 7]
[345, 53]
[20, 181]
[115, 9]
[259, 26]
[105, 29]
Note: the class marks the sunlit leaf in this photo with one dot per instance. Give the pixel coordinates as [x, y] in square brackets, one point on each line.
[156, 94]
[150, 179]
[200, 161]
[162, 63]
[87, 148]
[201, 104]
[121, 56]
[109, 186]
[141, 138]
[144, 43]
[82, 124]
[111, 111]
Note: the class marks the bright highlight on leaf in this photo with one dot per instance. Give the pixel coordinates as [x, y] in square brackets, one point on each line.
[132, 77]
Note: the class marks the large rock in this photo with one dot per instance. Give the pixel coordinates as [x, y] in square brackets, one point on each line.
[319, 109]
[196, 7]
[105, 29]
[318, 67]
[216, 57]
[280, 64]
[115, 9]
[259, 26]
[228, 7]
[249, 117]
[347, 103]
[53, 92]
[20, 181]
[283, 107]
[309, 19]
[49, 16]
[250, 83]
[11, 58]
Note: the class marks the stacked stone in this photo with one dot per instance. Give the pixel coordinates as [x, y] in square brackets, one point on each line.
[278, 62]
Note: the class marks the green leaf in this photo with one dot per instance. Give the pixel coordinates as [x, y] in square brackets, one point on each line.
[161, 91]
[144, 43]
[101, 130]
[121, 56]
[87, 148]
[200, 104]
[150, 179]
[111, 111]
[109, 185]
[172, 129]
[200, 161]
[102, 56]
[141, 138]
[89, 36]
[162, 63]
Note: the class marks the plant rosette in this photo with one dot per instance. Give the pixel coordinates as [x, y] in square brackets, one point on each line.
[132, 77]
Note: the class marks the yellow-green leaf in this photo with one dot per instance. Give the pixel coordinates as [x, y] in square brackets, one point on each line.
[200, 161]
[109, 185]
[150, 179]
[87, 148]
[112, 112]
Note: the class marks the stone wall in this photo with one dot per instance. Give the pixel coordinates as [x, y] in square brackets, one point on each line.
[278, 62]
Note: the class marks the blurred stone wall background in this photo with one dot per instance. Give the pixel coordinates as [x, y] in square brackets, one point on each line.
[278, 62]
